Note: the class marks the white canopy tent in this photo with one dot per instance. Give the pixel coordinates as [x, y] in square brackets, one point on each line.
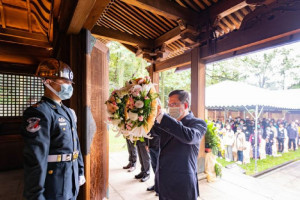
[237, 95]
[230, 95]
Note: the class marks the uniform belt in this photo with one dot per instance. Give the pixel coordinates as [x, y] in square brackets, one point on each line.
[63, 157]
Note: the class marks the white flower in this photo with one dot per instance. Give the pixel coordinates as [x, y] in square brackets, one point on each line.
[115, 122]
[139, 104]
[136, 88]
[146, 88]
[133, 116]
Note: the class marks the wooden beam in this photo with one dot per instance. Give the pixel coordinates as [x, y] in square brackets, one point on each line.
[226, 7]
[198, 86]
[23, 34]
[2, 15]
[254, 35]
[15, 53]
[178, 61]
[198, 97]
[24, 37]
[154, 76]
[80, 15]
[95, 13]
[126, 38]
[131, 48]
[66, 12]
[168, 37]
[267, 44]
[180, 69]
[166, 8]
[231, 10]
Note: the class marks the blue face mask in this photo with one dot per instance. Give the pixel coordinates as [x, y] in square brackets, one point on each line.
[66, 90]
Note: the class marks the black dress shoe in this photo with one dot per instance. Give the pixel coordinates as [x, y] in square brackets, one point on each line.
[127, 166]
[151, 188]
[139, 176]
[145, 177]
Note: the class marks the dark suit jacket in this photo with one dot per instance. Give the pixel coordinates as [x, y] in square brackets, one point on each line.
[179, 147]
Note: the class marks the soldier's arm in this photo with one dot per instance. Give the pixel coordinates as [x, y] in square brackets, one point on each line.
[36, 133]
[187, 135]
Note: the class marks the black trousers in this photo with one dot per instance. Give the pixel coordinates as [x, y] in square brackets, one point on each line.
[280, 144]
[269, 148]
[294, 143]
[132, 152]
[154, 154]
[143, 157]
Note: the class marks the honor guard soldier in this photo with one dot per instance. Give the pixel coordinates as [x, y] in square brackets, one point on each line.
[53, 164]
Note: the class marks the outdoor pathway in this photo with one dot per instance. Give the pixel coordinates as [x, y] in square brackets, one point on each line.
[232, 186]
[280, 184]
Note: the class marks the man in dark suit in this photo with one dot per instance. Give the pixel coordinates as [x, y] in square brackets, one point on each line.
[53, 164]
[180, 136]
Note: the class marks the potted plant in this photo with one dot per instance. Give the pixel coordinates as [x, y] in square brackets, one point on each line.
[212, 141]
[212, 144]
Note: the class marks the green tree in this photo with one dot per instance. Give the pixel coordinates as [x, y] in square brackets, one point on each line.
[273, 69]
[171, 80]
[225, 70]
[124, 65]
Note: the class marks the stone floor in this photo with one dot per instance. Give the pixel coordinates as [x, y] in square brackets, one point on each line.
[232, 186]
[280, 184]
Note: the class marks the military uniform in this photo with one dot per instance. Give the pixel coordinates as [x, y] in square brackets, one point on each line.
[52, 157]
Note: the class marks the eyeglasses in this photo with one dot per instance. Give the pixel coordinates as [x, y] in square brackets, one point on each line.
[174, 104]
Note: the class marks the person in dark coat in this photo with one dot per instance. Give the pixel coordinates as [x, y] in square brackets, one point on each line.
[292, 134]
[53, 164]
[180, 136]
[144, 158]
[153, 145]
[281, 136]
[141, 151]
[269, 140]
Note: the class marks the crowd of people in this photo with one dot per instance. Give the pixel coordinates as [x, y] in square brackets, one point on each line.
[237, 138]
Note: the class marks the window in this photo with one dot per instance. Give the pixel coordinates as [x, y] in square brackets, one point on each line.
[17, 92]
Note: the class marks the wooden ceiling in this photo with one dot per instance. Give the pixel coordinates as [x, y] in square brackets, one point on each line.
[173, 26]
[26, 30]
[158, 30]
[26, 20]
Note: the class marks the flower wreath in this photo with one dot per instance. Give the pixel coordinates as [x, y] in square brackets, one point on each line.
[132, 109]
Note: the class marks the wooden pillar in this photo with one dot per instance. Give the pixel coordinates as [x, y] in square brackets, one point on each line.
[90, 65]
[154, 76]
[198, 97]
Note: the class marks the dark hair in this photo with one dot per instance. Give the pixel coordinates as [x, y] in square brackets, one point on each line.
[183, 96]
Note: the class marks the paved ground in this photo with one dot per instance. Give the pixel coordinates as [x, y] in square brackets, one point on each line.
[278, 185]
[286, 178]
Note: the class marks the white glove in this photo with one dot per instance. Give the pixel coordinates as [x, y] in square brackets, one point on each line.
[81, 180]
